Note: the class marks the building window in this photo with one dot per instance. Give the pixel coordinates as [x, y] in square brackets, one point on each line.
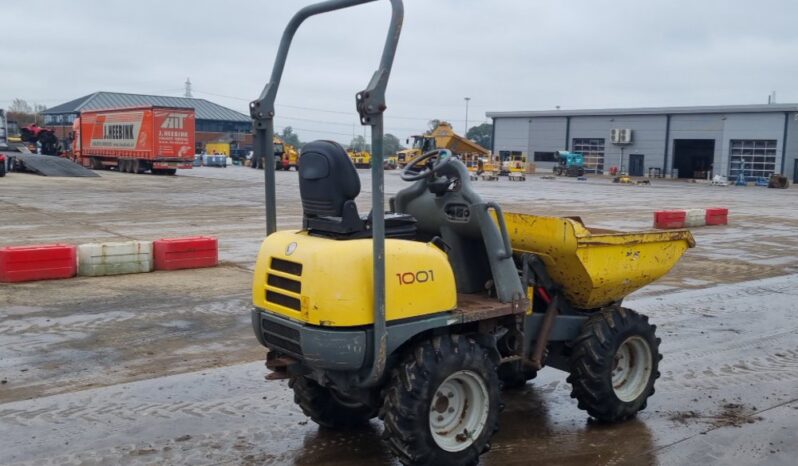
[545, 157]
[753, 157]
[592, 149]
[217, 126]
[58, 120]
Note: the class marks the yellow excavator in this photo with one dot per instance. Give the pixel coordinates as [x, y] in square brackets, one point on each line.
[444, 137]
[422, 315]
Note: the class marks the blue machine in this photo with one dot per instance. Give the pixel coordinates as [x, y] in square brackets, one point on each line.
[569, 164]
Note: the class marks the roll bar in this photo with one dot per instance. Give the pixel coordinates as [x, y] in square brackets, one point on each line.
[370, 104]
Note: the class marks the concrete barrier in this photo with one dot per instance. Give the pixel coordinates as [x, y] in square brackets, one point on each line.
[96, 259]
[695, 218]
[185, 253]
[37, 262]
[717, 216]
[667, 219]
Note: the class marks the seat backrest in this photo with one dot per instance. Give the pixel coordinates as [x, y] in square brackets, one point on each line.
[327, 179]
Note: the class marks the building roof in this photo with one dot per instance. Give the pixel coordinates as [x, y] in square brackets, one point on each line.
[204, 109]
[759, 108]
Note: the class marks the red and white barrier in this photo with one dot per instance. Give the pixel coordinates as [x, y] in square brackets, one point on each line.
[37, 262]
[689, 218]
[52, 261]
[665, 219]
[718, 216]
[186, 253]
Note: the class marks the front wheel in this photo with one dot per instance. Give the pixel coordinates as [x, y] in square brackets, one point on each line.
[441, 405]
[515, 375]
[614, 364]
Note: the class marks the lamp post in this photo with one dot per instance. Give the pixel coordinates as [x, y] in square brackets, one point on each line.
[466, 120]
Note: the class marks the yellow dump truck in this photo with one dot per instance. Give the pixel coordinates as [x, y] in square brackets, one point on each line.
[425, 315]
[443, 137]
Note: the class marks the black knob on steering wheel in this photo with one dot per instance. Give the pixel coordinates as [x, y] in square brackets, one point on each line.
[413, 172]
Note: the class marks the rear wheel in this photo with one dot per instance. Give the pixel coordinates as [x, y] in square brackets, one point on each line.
[442, 403]
[327, 408]
[614, 364]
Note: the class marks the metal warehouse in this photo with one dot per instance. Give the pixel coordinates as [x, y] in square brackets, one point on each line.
[679, 142]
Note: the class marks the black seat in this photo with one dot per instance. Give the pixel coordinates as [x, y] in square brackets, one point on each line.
[328, 186]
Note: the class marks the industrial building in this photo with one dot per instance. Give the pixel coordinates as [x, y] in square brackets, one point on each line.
[682, 142]
[214, 123]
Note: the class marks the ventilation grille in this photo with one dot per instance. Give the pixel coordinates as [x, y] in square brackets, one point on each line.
[281, 265]
[283, 300]
[281, 338]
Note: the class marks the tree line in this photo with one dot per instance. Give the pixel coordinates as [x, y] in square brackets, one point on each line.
[23, 113]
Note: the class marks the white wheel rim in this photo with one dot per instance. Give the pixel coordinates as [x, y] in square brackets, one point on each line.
[631, 368]
[459, 410]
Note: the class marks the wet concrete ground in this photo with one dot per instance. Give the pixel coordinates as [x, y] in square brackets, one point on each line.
[162, 368]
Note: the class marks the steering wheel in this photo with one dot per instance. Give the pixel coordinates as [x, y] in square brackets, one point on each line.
[412, 172]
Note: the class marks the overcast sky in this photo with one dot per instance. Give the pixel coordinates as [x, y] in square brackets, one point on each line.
[504, 54]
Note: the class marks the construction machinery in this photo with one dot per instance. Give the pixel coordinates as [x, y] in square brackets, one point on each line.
[285, 156]
[278, 150]
[217, 148]
[289, 158]
[390, 162]
[443, 137]
[569, 164]
[778, 181]
[422, 315]
[512, 162]
[361, 159]
[43, 140]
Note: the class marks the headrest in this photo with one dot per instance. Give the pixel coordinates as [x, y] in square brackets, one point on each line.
[327, 178]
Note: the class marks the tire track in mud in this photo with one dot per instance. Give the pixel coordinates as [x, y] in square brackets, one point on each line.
[780, 366]
[93, 320]
[214, 399]
[85, 410]
[695, 301]
[30, 334]
[243, 446]
[704, 349]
